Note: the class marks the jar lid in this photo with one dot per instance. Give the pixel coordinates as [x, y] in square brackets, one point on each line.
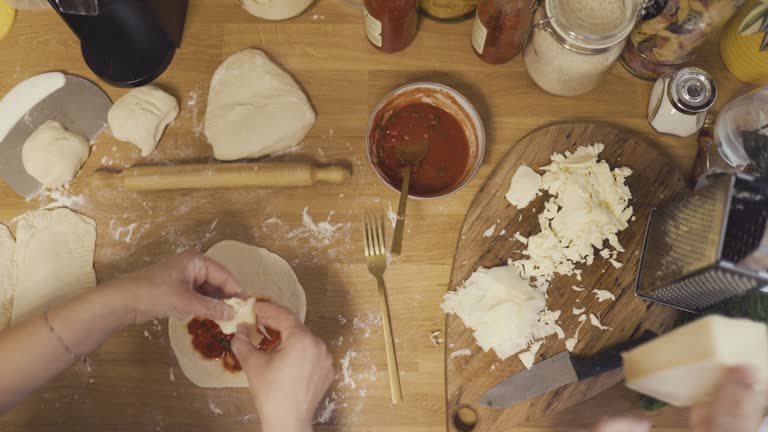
[692, 90]
[593, 24]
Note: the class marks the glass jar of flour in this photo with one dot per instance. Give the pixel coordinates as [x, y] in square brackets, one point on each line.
[574, 42]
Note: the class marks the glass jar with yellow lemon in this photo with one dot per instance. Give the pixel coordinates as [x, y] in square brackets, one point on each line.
[744, 43]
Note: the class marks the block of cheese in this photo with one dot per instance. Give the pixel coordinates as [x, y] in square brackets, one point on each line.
[685, 366]
[505, 312]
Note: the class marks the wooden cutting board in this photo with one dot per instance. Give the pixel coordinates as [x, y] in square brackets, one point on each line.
[654, 182]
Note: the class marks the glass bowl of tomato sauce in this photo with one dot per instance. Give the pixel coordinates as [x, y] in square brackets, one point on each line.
[434, 115]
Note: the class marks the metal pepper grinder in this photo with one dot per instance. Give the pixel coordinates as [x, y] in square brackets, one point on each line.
[128, 43]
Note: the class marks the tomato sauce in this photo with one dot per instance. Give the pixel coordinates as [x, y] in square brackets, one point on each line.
[447, 156]
[213, 344]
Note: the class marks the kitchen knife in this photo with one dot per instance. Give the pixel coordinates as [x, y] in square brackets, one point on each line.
[556, 372]
[79, 105]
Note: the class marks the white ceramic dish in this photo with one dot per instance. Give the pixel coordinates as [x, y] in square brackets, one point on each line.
[448, 99]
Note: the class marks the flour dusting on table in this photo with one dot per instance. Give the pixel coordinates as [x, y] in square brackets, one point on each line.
[193, 112]
[247, 418]
[346, 369]
[466, 352]
[313, 237]
[325, 231]
[125, 233]
[356, 370]
[59, 198]
[327, 410]
[391, 215]
[319, 234]
[364, 325]
[214, 409]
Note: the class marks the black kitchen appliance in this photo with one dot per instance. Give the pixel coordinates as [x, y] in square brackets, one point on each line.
[127, 43]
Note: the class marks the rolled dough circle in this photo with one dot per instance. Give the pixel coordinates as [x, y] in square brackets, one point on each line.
[261, 274]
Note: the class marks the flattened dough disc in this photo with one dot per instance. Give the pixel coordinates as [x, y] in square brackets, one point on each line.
[261, 274]
[54, 260]
[254, 108]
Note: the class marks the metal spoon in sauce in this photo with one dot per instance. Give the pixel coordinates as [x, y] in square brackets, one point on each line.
[409, 154]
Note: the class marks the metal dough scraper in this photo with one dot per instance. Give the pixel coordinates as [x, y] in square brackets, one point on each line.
[79, 105]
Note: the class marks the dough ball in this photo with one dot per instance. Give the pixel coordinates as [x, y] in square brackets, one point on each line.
[262, 275]
[254, 108]
[275, 9]
[141, 116]
[53, 155]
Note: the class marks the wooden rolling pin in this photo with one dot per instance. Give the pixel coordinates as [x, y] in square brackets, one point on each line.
[223, 175]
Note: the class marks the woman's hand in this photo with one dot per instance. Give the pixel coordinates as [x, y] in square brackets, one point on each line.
[37, 349]
[288, 383]
[738, 405]
[623, 424]
[185, 285]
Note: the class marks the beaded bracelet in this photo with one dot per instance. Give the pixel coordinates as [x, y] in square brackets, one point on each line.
[58, 337]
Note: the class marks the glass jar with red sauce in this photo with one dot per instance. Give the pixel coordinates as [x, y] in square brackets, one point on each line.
[499, 29]
[391, 24]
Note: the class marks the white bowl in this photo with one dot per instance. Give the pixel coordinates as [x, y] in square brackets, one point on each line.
[448, 99]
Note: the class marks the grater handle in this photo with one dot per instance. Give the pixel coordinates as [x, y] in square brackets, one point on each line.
[609, 359]
[758, 260]
[78, 7]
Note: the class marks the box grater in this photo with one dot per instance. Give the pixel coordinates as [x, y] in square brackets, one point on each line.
[707, 247]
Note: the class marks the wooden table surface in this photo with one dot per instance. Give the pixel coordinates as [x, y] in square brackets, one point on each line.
[133, 382]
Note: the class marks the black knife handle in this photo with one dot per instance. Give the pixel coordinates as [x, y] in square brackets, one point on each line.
[609, 359]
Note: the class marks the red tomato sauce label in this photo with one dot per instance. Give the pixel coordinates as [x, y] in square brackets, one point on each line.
[447, 155]
[213, 344]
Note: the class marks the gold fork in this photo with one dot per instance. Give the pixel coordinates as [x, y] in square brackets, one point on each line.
[375, 254]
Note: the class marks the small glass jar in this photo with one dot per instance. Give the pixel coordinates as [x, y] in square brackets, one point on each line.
[448, 9]
[741, 132]
[670, 32]
[499, 29]
[680, 101]
[574, 42]
[390, 25]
